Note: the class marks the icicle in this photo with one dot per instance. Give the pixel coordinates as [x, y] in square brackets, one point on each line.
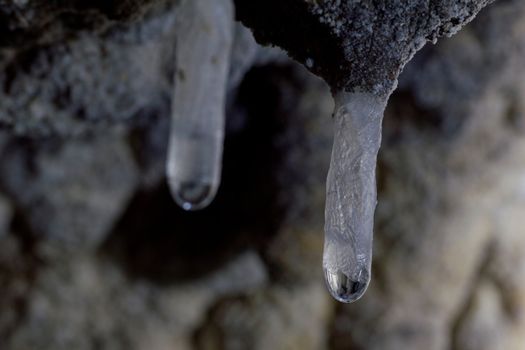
[205, 35]
[351, 194]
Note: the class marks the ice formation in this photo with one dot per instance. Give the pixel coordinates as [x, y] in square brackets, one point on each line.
[197, 126]
[197, 133]
[351, 194]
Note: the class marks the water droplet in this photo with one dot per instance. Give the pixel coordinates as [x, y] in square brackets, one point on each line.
[193, 195]
[309, 63]
[344, 288]
[351, 194]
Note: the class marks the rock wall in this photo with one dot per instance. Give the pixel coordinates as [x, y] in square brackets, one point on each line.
[95, 255]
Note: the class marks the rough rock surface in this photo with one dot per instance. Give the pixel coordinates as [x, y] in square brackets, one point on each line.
[95, 255]
[355, 45]
[61, 85]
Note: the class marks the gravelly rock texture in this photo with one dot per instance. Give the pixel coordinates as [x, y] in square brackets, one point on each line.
[95, 255]
[355, 45]
[64, 83]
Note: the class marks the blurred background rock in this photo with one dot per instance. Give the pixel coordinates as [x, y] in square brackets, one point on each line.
[95, 255]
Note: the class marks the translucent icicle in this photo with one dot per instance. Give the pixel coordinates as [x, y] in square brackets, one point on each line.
[351, 194]
[205, 36]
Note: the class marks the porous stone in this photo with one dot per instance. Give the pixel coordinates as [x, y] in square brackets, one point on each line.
[358, 46]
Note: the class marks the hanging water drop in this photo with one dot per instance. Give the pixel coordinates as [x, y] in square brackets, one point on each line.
[351, 194]
[203, 51]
